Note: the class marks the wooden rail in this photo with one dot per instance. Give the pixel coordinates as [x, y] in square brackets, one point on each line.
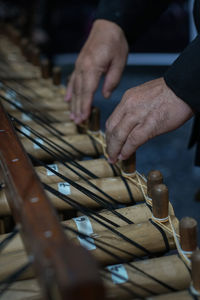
[65, 271]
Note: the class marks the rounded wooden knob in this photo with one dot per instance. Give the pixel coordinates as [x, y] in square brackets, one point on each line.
[23, 44]
[94, 120]
[154, 177]
[56, 73]
[196, 270]
[29, 52]
[35, 57]
[160, 201]
[129, 165]
[45, 69]
[16, 36]
[188, 234]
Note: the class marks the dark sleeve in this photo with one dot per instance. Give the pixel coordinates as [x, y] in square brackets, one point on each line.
[183, 77]
[133, 16]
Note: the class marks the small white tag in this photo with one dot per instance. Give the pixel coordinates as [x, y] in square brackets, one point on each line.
[64, 188]
[25, 117]
[25, 130]
[118, 273]
[54, 167]
[84, 226]
[36, 146]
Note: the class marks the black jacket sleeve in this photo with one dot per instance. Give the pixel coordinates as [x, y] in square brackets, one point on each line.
[183, 77]
[133, 16]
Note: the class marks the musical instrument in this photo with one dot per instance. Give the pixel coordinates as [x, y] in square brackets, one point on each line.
[124, 220]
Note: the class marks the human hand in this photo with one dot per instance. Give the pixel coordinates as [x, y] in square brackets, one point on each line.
[144, 112]
[105, 52]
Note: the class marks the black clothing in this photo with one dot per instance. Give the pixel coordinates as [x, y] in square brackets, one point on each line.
[183, 76]
[133, 16]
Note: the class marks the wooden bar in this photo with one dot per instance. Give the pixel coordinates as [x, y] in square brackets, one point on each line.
[31, 209]
[113, 187]
[100, 167]
[80, 142]
[145, 234]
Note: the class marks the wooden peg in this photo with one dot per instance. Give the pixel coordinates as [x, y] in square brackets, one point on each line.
[154, 177]
[196, 270]
[160, 201]
[45, 68]
[83, 127]
[29, 52]
[129, 165]
[188, 234]
[16, 36]
[23, 44]
[56, 73]
[35, 57]
[94, 119]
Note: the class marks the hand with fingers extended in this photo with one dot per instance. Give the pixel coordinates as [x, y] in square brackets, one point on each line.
[105, 52]
[144, 112]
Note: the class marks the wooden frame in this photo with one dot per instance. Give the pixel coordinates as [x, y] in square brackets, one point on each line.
[59, 265]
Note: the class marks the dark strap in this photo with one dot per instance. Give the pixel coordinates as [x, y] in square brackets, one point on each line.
[165, 239]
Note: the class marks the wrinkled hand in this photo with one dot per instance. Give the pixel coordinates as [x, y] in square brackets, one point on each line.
[105, 52]
[143, 113]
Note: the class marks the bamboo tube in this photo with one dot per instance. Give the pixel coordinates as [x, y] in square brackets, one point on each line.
[38, 90]
[100, 167]
[145, 234]
[136, 213]
[113, 186]
[23, 290]
[170, 270]
[80, 142]
[182, 295]
[56, 116]
[32, 105]
[196, 271]
[194, 290]
[66, 128]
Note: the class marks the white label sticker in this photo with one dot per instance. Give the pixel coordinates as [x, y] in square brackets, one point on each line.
[118, 273]
[84, 226]
[25, 130]
[54, 167]
[36, 146]
[25, 117]
[64, 188]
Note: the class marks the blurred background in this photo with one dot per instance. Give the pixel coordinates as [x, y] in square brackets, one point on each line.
[61, 27]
